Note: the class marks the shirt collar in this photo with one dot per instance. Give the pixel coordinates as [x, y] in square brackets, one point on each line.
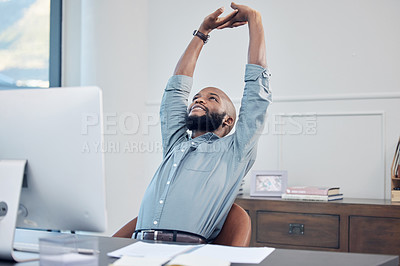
[209, 136]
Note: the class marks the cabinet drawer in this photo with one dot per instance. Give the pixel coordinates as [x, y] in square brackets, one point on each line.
[312, 230]
[374, 235]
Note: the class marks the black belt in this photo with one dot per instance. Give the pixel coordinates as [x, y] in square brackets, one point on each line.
[170, 236]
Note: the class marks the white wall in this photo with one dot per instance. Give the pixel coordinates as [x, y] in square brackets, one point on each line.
[336, 60]
[105, 44]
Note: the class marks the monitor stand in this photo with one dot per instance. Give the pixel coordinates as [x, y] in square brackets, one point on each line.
[11, 177]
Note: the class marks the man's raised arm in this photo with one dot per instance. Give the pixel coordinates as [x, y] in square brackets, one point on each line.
[257, 95]
[174, 104]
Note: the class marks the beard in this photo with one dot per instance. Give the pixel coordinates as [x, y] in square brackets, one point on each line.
[207, 122]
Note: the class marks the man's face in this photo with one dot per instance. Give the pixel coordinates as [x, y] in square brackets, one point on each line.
[207, 111]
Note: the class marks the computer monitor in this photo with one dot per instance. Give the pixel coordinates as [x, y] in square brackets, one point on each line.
[59, 131]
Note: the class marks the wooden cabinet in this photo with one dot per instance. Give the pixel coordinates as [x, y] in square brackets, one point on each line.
[348, 225]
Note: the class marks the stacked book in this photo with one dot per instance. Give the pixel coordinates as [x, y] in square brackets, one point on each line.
[395, 173]
[313, 193]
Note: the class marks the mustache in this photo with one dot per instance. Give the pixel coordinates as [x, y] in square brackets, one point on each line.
[200, 106]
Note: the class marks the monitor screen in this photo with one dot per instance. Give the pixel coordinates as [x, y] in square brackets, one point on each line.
[59, 132]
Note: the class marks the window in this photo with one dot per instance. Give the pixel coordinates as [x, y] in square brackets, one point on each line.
[30, 43]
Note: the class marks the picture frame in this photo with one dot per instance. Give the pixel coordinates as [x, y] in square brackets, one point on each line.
[268, 183]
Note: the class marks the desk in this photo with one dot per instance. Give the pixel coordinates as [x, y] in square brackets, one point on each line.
[280, 257]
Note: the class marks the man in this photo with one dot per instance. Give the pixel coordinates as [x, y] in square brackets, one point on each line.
[196, 184]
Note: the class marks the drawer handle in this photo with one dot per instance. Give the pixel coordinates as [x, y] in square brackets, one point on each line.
[296, 229]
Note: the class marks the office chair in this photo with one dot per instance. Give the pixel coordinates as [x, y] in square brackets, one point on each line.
[235, 232]
[127, 230]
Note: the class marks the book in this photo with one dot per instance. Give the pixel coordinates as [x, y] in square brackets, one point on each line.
[312, 197]
[313, 190]
[396, 162]
[396, 195]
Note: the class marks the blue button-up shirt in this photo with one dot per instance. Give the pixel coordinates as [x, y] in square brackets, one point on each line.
[198, 179]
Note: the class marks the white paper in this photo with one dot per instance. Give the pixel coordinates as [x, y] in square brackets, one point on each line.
[233, 254]
[193, 260]
[139, 261]
[217, 252]
[151, 250]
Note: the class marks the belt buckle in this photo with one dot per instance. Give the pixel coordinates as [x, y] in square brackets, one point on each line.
[155, 232]
[142, 232]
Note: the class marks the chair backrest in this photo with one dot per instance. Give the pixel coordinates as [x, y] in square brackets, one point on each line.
[236, 230]
[127, 230]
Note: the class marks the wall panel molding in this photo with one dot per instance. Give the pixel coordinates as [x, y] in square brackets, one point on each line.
[381, 114]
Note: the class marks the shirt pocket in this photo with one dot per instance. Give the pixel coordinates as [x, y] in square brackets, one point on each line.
[200, 161]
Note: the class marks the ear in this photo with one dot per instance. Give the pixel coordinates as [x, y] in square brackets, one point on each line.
[228, 121]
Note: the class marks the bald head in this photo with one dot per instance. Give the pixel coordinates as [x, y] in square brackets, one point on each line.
[213, 103]
[226, 101]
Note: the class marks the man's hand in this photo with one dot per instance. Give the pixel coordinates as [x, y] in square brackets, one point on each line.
[213, 20]
[244, 14]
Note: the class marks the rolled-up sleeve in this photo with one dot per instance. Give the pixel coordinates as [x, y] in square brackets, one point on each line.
[173, 111]
[252, 116]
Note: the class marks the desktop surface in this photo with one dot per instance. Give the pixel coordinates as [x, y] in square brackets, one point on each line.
[279, 257]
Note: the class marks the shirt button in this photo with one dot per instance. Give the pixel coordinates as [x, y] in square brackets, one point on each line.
[161, 201]
[168, 182]
[155, 222]
[174, 165]
[182, 150]
[192, 143]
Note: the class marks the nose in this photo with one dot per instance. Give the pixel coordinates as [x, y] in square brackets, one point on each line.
[199, 100]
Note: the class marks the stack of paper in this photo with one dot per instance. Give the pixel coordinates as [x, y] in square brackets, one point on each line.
[233, 254]
[184, 259]
[144, 253]
[151, 250]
